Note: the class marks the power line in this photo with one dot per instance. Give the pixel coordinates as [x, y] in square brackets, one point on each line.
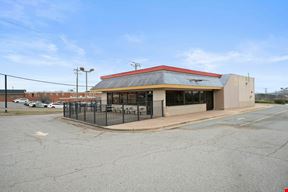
[42, 81]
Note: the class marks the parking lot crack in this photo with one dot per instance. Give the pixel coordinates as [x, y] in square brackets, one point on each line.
[278, 149]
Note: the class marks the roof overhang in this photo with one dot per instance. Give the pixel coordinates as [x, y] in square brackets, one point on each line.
[161, 86]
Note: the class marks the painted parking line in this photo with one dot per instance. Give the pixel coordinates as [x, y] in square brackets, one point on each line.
[263, 118]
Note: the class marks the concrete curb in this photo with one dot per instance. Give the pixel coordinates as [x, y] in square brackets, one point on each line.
[167, 127]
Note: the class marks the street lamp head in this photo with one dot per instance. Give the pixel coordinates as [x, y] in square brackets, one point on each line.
[82, 69]
[91, 70]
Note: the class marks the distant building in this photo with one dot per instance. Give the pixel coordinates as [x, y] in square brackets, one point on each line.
[181, 90]
[58, 96]
[12, 94]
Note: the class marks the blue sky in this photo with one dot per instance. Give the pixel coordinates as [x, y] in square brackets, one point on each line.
[46, 39]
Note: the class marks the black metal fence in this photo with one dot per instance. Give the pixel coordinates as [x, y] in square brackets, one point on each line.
[111, 114]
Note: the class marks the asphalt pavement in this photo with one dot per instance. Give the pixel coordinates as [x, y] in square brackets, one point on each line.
[246, 152]
[12, 105]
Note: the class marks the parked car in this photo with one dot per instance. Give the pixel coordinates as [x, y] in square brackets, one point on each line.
[56, 105]
[27, 103]
[21, 100]
[38, 104]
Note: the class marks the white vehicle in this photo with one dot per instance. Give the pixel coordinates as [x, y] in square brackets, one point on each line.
[56, 105]
[38, 104]
[21, 100]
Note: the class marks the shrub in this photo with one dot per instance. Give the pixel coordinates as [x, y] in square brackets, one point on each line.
[280, 101]
[264, 101]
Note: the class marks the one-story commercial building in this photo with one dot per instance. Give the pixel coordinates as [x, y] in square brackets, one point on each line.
[180, 90]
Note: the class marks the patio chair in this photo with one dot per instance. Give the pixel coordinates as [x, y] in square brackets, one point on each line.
[142, 110]
[132, 110]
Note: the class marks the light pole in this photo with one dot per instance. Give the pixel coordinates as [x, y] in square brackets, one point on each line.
[86, 71]
[135, 65]
[77, 73]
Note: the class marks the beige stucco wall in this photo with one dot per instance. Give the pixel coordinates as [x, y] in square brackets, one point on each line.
[238, 92]
[104, 98]
[219, 99]
[158, 96]
[184, 109]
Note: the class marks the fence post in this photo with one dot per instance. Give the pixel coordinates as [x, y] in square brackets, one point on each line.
[69, 107]
[138, 112]
[85, 106]
[106, 116]
[123, 114]
[162, 107]
[100, 105]
[94, 113]
[76, 110]
[151, 107]
[64, 109]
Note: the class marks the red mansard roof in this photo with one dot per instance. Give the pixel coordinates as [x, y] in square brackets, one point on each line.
[161, 67]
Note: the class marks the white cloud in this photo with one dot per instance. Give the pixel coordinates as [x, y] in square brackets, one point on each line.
[279, 58]
[72, 46]
[40, 52]
[34, 13]
[133, 38]
[208, 60]
[36, 60]
[248, 53]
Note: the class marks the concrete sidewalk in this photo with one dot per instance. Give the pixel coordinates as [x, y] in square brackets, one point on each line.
[179, 120]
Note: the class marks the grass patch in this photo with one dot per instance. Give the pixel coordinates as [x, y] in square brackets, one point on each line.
[30, 111]
[276, 101]
[264, 101]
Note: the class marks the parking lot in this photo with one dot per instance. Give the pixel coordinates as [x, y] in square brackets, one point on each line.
[21, 109]
[246, 152]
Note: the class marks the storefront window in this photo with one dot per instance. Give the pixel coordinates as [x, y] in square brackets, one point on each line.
[188, 97]
[141, 97]
[123, 98]
[132, 98]
[109, 98]
[195, 98]
[174, 98]
[185, 97]
[202, 96]
[116, 98]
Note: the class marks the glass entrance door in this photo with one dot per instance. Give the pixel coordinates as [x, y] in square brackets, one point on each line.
[209, 100]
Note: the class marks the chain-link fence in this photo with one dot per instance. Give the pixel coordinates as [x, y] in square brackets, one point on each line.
[111, 114]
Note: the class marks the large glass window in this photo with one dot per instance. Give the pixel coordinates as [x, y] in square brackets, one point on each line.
[109, 98]
[185, 97]
[195, 98]
[174, 98]
[123, 98]
[202, 96]
[116, 98]
[132, 98]
[141, 98]
[188, 97]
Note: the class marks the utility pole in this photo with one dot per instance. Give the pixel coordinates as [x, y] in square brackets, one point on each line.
[5, 93]
[135, 65]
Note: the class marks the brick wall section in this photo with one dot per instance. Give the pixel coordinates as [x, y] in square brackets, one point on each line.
[11, 97]
[53, 96]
